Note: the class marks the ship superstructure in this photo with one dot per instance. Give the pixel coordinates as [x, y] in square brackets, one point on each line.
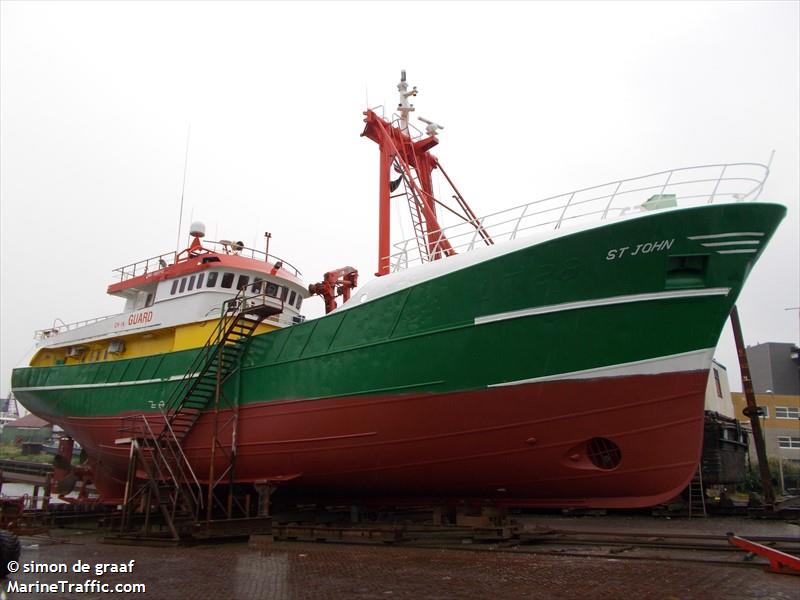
[170, 300]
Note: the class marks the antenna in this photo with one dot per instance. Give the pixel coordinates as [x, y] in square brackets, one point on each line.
[183, 189]
[404, 106]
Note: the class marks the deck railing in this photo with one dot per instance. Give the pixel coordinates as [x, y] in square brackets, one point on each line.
[156, 263]
[60, 327]
[687, 186]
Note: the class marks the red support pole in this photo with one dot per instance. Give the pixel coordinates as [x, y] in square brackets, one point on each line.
[384, 236]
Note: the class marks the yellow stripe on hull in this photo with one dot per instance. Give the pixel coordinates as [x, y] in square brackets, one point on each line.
[145, 343]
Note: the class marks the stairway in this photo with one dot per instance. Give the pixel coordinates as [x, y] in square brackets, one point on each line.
[216, 362]
[156, 442]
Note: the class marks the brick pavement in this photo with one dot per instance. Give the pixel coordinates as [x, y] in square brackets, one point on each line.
[331, 571]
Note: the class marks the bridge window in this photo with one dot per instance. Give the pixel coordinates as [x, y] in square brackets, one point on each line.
[272, 290]
[242, 283]
[149, 301]
[212, 279]
[200, 280]
[191, 283]
[227, 280]
[183, 286]
[174, 287]
[299, 301]
[292, 297]
[284, 293]
[256, 287]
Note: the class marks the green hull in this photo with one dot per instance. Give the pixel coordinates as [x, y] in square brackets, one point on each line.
[425, 338]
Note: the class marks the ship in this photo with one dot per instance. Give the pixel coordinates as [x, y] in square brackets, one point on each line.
[554, 354]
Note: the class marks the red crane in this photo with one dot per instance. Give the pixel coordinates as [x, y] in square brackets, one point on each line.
[335, 283]
[411, 158]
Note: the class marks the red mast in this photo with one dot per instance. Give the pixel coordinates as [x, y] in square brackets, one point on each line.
[411, 158]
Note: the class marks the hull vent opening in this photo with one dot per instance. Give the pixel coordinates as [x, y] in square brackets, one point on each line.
[603, 453]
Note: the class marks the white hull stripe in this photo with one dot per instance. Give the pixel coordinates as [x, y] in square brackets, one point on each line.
[543, 310]
[82, 386]
[725, 235]
[736, 243]
[742, 251]
[696, 360]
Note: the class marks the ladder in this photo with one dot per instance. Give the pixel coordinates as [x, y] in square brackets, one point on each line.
[412, 188]
[697, 495]
[159, 473]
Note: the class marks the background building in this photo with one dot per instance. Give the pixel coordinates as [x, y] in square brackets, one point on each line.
[775, 371]
[29, 428]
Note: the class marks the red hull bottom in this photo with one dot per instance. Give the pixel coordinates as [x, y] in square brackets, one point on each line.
[525, 445]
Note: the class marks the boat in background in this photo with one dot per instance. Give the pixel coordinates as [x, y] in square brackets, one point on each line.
[553, 354]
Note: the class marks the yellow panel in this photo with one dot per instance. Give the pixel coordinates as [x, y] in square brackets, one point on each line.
[147, 343]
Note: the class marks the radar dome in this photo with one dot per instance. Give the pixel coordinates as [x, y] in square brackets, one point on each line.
[197, 229]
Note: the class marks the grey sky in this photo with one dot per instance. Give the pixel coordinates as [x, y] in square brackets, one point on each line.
[536, 99]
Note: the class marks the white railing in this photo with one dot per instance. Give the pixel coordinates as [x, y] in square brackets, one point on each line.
[684, 187]
[143, 267]
[57, 328]
[155, 263]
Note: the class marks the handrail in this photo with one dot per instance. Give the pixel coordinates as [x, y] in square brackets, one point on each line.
[230, 308]
[181, 460]
[156, 263]
[40, 334]
[141, 427]
[686, 186]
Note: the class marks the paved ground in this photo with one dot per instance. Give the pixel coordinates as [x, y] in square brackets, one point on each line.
[321, 571]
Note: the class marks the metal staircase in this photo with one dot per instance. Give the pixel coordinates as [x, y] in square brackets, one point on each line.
[214, 364]
[160, 476]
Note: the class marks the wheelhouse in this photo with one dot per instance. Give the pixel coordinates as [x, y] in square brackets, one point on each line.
[170, 297]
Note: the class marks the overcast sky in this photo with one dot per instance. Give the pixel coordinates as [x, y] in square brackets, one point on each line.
[536, 99]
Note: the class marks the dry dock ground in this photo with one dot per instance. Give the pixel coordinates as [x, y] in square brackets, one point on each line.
[461, 570]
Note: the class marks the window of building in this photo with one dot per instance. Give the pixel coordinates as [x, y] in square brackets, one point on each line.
[789, 442]
[191, 283]
[227, 280]
[183, 286]
[200, 280]
[212, 279]
[174, 287]
[717, 383]
[787, 412]
[243, 281]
